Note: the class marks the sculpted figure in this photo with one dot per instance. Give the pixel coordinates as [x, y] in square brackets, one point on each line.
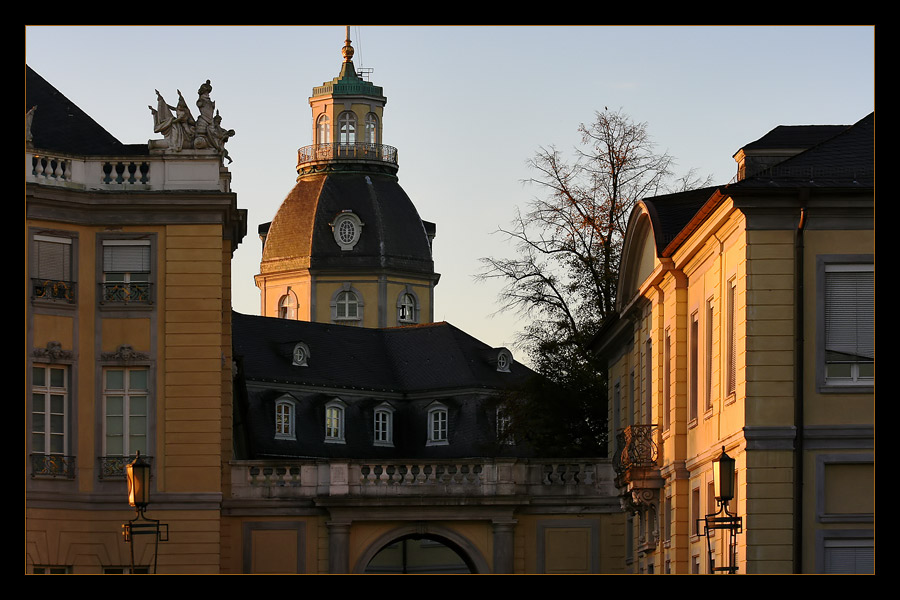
[177, 128]
[181, 130]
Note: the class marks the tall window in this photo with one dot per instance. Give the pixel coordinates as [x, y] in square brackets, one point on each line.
[384, 425]
[126, 271]
[437, 425]
[693, 400]
[334, 421]
[504, 422]
[49, 398]
[406, 308]
[708, 355]
[667, 380]
[287, 306]
[323, 130]
[347, 124]
[731, 351]
[284, 420]
[125, 401]
[648, 383]
[849, 324]
[371, 128]
[52, 271]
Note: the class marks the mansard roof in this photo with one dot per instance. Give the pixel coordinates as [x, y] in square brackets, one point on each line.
[845, 159]
[406, 360]
[60, 125]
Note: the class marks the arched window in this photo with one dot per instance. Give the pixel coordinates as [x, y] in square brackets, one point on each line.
[287, 306]
[437, 425]
[347, 228]
[301, 355]
[323, 130]
[346, 305]
[371, 128]
[384, 425]
[284, 419]
[347, 127]
[334, 421]
[407, 308]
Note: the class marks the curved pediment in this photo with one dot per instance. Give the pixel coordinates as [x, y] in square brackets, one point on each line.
[639, 256]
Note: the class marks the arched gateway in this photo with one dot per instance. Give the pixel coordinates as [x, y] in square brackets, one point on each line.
[450, 552]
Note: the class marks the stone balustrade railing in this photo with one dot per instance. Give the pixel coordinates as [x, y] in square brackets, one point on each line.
[189, 170]
[472, 477]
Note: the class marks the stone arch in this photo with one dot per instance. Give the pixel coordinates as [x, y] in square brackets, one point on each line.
[470, 554]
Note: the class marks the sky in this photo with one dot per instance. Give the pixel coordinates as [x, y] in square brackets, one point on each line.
[467, 107]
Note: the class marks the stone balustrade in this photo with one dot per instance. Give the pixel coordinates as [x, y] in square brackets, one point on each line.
[188, 170]
[471, 478]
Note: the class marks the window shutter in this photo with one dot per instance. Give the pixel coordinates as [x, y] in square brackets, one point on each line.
[850, 311]
[126, 258]
[54, 259]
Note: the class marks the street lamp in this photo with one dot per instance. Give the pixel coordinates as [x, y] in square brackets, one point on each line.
[137, 473]
[723, 489]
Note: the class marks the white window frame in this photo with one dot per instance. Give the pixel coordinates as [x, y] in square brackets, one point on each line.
[335, 417]
[341, 301]
[504, 360]
[438, 425]
[407, 307]
[323, 129]
[371, 131]
[347, 127]
[858, 381]
[504, 423]
[383, 425]
[129, 396]
[287, 306]
[131, 279]
[347, 229]
[285, 418]
[55, 418]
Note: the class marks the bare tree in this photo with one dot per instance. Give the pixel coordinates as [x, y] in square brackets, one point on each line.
[568, 240]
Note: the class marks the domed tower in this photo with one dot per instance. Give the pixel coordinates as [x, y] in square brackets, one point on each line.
[347, 244]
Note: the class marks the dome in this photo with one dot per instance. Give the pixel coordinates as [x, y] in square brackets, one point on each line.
[384, 230]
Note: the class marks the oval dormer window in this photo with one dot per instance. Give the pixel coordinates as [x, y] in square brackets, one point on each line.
[347, 229]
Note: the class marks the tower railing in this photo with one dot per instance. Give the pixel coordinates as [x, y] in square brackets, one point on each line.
[347, 151]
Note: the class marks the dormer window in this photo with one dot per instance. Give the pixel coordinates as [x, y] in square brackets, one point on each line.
[504, 360]
[285, 410]
[334, 421]
[300, 355]
[384, 425]
[347, 228]
[437, 425]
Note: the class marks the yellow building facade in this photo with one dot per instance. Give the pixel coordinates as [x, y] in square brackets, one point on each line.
[745, 324]
[128, 283]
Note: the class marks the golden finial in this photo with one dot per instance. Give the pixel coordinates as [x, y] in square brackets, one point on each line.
[347, 50]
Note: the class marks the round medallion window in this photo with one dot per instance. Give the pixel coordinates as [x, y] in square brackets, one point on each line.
[347, 229]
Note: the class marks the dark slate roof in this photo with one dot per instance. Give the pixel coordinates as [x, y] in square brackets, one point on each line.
[410, 368]
[393, 235]
[795, 136]
[846, 159]
[670, 214]
[414, 359]
[61, 126]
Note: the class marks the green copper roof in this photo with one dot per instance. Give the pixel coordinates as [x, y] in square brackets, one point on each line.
[348, 83]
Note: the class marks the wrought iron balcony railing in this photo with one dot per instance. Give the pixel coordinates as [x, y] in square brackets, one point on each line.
[126, 293]
[635, 447]
[53, 465]
[112, 467]
[347, 151]
[52, 289]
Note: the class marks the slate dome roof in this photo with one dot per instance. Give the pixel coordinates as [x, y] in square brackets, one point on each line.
[393, 235]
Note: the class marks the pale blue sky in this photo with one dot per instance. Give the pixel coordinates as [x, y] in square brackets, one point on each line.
[467, 106]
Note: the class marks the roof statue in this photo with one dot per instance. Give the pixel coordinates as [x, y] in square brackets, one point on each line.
[182, 132]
